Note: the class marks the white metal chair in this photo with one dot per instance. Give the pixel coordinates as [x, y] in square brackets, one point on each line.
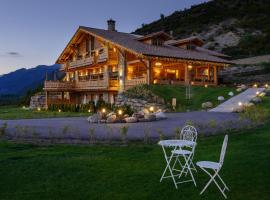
[216, 167]
[188, 133]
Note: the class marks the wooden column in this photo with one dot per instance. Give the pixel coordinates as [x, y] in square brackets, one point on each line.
[46, 99]
[215, 75]
[122, 64]
[149, 72]
[106, 75]
[208, 72]
[187, 77]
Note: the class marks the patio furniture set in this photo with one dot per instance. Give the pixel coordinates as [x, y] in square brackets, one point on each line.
[179, 155]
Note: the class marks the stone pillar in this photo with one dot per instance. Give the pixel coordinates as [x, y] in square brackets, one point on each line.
[122, 70]
[106, 97]
[149, 72]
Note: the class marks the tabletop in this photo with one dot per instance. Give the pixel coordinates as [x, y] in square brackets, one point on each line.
[176, 143]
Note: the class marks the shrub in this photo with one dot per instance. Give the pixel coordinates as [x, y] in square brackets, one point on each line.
[255, 114]
[177, 132]
[161, 134]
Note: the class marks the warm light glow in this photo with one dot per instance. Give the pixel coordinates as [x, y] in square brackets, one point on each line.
[96, 53]
[120, 112]
[151, 108]
[89, 110]
[206, 86]
[39, 109]
[103, 110]
[190, 67]
[255, 85]
[240, 103]
[257, 93]
[114, 49]
[23, 107]
[59, 110]
[158, 64]
[266, 85]
[192, 83]
[155, 81]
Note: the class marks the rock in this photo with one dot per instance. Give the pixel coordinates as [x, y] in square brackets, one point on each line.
[231, 93]
[102, 121]
[125, 116]
[111, 119]
[221, 98]
[262, 94]
[249, 104]
[143, 120]
[238, 109]
[138, 115]
[239, 90]
[207, 105]
[110, 114]
[131, 120]
[160, 115]
[150, 117]
[267, 91]
[94, 118]
[256, 100]
[145, 111]
[243, 87]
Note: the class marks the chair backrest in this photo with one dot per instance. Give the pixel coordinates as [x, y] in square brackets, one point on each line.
[223, 150]
[189, 133]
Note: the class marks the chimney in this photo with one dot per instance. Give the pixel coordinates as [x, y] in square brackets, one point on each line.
[111, 25]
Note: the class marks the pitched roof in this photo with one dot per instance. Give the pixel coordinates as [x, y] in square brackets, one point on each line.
[131, 43]
[155, 34]
[187, 40]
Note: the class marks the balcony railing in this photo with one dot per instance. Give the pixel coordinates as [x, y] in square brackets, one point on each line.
[135, 81]
[102, 54]
[58, 85]
[81, 62]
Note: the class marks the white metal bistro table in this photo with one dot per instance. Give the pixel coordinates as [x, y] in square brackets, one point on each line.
[174, 144]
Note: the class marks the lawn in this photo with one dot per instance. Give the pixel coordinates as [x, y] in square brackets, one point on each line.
[199, 95]
[15, 112]
[130, 172]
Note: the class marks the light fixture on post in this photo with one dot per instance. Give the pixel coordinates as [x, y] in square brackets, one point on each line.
[151, 109]
[255, 85]
[190, 67]
[103, 110]
[120, 112]
[266, 85]
[240, 103]
[206, 86]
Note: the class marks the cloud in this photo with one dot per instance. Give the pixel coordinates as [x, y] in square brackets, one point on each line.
[13, 54]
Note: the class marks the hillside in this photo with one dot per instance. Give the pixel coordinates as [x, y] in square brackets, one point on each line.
[20, 81]
[239, 28]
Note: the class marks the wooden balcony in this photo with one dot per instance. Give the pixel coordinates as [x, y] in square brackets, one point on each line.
[82, 62]
[135, 81]
[58, 86]
[102, 54]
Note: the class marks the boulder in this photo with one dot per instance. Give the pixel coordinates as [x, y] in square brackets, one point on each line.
[111, 119]
[143, 120]
[249, 104]
[94, 118]
[221, 98]
[102, 121]
[207, 105]
[262, 94]
[110, 114]
[256, 100]
[243, 87]
[239, 109]
[125, 116]
[239, 90]
[138, 115]
[145, 111]
[160, 115]
[231, 93]
[150, 117]
[131, 120]
[267, 91]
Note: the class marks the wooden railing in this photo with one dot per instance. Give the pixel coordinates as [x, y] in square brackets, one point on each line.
[133, 82]
[91, 84]
[82, 62]
[58, 85]
[103, 54]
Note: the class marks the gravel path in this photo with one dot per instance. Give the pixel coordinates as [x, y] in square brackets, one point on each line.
[232, 104]
[72, 128]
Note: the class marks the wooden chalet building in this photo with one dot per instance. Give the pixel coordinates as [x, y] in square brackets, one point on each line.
[98, 64]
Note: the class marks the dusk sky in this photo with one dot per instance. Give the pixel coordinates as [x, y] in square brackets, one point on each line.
[34, 32]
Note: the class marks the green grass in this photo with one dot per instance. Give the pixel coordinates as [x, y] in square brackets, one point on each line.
[199, 95]
[15, 112]
[130, 172]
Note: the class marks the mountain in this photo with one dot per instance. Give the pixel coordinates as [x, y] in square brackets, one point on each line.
[239, 28]
[17, 83]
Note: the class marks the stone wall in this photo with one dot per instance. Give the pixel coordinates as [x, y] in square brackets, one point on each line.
[38, 101]
[138, 104]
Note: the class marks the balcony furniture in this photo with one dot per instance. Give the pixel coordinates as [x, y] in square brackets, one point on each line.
[216, 167]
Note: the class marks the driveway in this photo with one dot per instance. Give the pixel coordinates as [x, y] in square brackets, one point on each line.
[79, 128]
